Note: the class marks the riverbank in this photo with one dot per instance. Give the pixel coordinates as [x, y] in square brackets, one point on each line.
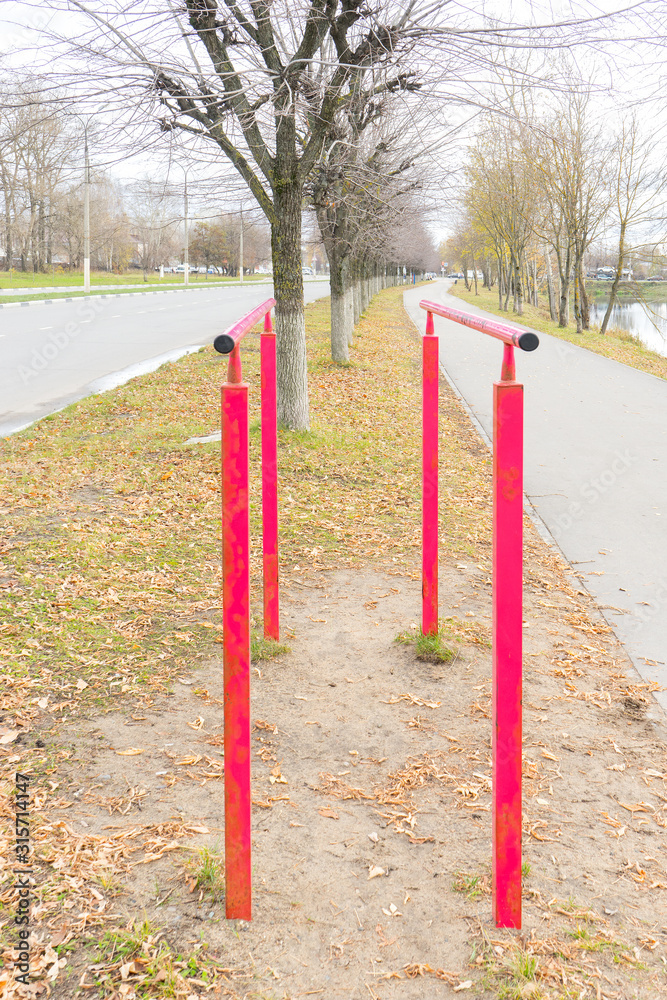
[636, 291]
[616, 344]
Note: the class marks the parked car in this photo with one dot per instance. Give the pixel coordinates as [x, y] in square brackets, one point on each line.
[307, 271]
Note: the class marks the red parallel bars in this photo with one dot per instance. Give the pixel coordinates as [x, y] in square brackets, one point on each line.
[507, 609]
[430, 480]
[236, 588]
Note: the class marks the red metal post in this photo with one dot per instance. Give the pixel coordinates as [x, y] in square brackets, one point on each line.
[270, 481]
[236, 639]
[507, 642]
[430, 480]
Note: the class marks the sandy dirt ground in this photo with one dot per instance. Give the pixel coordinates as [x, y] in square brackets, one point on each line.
[371, 817]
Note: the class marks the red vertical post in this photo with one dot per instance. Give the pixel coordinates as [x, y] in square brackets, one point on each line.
[429, 480]
[270, 481]
[236, 640]
[507, 642]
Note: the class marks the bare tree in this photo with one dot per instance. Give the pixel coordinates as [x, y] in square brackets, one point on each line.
[262, 82]
[634, 187]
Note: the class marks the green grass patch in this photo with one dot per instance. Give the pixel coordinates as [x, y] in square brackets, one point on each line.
[74, 293]
[266, 649]
[472, 886]
[74, 279]
[429, 648]
[616, 344]
[111, 561]
[207, 873]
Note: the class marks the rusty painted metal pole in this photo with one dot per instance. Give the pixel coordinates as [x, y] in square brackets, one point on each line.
[236, 641]
[270, 481]
[507, 642]
[429, 479]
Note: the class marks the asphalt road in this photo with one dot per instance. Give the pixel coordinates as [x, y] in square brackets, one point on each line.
[52, 355]
[595, 466]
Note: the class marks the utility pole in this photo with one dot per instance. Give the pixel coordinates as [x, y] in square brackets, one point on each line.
[86, 213]
[186, 275]
[241, 247]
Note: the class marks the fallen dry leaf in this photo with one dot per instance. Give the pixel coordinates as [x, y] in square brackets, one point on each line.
[413, 699]
[374, 871]
[130, 752]
[262, 724]
[326, 811]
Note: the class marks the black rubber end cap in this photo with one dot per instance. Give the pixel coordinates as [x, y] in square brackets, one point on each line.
[529, 341]
[224, 344]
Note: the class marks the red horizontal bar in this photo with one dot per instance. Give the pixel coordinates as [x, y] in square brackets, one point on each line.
[525, 339]
[225, 342]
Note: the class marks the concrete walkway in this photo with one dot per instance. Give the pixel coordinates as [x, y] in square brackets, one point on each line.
[595, 466]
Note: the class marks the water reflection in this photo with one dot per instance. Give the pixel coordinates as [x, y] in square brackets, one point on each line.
[647, 321]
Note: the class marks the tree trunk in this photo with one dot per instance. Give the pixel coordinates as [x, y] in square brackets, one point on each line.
[585, 304]
[339, 311]
[356, 294]
[550, 290]
[508, 287]
[518, 290]
[564, 281]
[577, 296]
[617, 278]
[288, 292]
[349, 312]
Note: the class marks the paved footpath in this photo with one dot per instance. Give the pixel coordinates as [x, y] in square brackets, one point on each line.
[595, 466]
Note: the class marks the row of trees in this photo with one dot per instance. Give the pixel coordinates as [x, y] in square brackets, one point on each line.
[543, 188]
[289, 91]
[136, 224]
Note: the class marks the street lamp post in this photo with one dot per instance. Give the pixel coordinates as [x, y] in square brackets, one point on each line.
[86, 217]
[186, 275]
[241, 248]
[86, 205]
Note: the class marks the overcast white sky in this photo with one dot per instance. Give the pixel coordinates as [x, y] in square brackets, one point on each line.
[626, 74]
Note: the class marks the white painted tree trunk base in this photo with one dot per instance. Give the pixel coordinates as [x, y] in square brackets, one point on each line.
[339, 329]
[292, 371]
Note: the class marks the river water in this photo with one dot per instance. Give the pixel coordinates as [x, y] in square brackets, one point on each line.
[647, 321]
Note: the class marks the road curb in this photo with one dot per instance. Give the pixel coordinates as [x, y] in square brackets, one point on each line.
[156, 291]
[117, 295]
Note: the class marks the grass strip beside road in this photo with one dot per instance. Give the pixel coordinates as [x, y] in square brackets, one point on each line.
[68, 294]
[111, 564]
[74, 279]
[616, 344]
